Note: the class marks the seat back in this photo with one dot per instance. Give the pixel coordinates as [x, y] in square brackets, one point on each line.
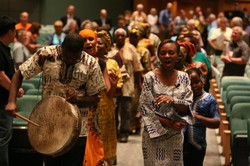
[25, 106]
[238, 87]
[240, 96]
[26, 86]
[238, 118]
[36, 81]
[238, 124]
[226, 81]
[34, 92]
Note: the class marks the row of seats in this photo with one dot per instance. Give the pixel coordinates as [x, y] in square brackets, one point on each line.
[233, 96]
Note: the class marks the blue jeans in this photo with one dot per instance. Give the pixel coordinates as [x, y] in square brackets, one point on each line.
[125, 105]
[5, 135]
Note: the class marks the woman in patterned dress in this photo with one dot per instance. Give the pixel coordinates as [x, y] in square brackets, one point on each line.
[165, 100]
[106, 105]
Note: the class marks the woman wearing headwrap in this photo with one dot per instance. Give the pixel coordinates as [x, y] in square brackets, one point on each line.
[188, 51]
[200, 59]
[106, 105]
[94, 152]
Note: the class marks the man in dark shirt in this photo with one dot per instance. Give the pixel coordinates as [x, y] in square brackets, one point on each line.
[235, 55]
[69, 18]
[103, 21]
[7, 35]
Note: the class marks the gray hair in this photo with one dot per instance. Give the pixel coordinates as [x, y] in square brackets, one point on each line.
[121, 30]
[237, 21]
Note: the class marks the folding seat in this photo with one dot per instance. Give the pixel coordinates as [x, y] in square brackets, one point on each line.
[36, 81]
[236, 139]
[226, 81]
[34, 92]
[26, 86]
[243, 95]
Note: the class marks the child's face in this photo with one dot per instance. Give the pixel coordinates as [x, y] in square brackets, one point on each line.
[196, 84]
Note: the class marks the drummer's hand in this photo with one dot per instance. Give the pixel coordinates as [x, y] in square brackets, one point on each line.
[71, 95]
[20, 92]
[11, 108]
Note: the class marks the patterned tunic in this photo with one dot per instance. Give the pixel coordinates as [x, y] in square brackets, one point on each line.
[85, 77]
[207, 106]
[163, 145]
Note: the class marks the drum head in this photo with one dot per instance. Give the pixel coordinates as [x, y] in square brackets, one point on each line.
[60, 125]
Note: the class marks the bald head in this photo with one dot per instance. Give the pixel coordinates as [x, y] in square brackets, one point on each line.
[24, 17]
[103, 13]
[71, 10]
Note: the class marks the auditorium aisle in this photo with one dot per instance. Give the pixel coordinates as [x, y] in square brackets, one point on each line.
[130, 154]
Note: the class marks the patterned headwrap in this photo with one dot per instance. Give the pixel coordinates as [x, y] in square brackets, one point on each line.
[106, 38]
[88, 33]
[190, 48]
[138, 30]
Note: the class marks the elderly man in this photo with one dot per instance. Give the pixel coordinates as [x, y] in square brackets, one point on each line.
[69, 18]
[125, 54]
[235, 55]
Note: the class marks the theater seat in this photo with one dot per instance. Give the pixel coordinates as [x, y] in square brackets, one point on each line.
[238, 125]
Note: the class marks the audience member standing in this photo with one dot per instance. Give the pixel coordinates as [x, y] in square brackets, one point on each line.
[165, 21]
[23, 24]
[235, 55]
[152, 20]
[127, 16]
[180, 21]
[57, 37]
[192, 29]
[20, 51]
[68, 19]
[103, 21]
[220, 36]
[139, 15]
[7, 35]
[237, 21]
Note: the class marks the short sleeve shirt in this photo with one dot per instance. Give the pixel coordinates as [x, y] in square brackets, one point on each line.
[85, 77]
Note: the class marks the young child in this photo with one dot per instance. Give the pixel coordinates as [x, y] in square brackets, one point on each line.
[206, 114]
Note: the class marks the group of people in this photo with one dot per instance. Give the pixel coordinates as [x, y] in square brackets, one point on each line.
[122, 80]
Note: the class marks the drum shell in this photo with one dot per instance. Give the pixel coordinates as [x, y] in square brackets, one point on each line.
[58, 107]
